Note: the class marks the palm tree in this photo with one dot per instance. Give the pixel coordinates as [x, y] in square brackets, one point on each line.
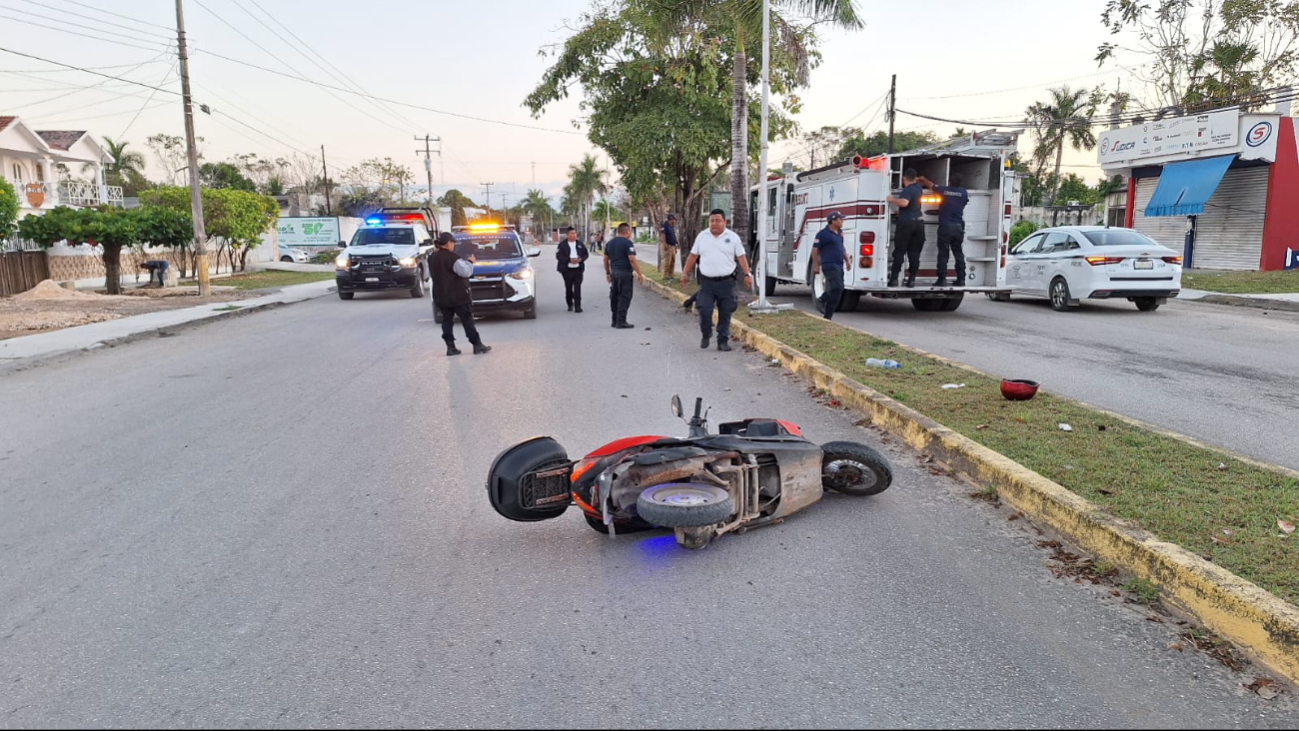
[1065, 119]
[585, 181]
[124, 163]
[745, 18]
[537, 207]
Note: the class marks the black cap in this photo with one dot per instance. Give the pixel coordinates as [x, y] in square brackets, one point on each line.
[672, 216]
[444, 238]
[835, 216]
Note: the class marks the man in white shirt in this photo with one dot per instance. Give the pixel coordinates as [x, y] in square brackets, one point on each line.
[719, 253]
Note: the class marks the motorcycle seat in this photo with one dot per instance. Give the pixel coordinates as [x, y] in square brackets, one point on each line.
[671, 454]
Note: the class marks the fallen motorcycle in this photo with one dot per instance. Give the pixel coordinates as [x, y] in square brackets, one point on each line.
[752, 473]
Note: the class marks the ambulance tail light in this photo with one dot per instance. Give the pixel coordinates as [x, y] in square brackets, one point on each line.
[866, 262]
[868, 250]
[1007, 210]
[866, 237]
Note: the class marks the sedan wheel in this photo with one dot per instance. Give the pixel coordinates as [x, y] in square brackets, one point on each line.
[1060, 295]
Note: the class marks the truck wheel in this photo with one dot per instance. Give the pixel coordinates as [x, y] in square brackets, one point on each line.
[951, 303]
[769, 286]
[1059, 295]
[999, 296]
[849, 302]
[417, 292]
[1147, 304]
[345, 295]
[684, 505]
[854, 469]
[926, 304]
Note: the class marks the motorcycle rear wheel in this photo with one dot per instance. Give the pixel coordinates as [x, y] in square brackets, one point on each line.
[854, 469]
[684, 505]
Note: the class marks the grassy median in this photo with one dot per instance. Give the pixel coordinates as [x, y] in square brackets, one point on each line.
[1243, 282]
[271, 279]
[1219, 507]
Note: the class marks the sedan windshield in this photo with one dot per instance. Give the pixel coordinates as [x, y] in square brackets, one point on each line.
[489, 247]
[1118, 237]
[384, 236]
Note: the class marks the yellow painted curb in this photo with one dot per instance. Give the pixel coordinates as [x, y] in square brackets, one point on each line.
[1239, 610]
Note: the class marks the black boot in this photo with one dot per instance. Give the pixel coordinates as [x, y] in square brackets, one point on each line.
[451, 348]
[625, 326]
[911, 280]
[941, 282]
[479, 348]
[960, 278]
[577, 308]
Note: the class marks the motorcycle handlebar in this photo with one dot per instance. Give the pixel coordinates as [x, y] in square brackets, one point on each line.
[699, 407]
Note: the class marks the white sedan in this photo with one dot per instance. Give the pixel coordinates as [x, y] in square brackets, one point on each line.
[294, 255]
[1068, 264]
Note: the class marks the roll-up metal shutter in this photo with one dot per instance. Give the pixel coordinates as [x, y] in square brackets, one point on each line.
[1229, 234]
[1167, 230]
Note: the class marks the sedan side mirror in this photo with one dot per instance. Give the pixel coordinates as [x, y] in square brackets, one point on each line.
[534, 251]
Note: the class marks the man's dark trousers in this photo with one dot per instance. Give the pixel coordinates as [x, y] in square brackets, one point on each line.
[721, 294]
[951, 237]
[833, 289]
[910, 240]
[466, 315]
[573, 287]
[620, 292]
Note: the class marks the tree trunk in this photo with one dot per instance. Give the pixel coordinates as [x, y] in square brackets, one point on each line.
[113, 268]
[1059, 155]
[740, 143]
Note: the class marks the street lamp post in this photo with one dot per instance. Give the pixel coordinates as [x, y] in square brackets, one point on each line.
[760, 279]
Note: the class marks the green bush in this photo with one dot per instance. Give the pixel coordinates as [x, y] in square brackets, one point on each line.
[8, 208]
[1021, 231]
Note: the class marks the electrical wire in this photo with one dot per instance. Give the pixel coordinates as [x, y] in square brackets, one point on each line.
[80, 89]
[83, 16]
[119, 15]
[150, 99]
[83, 35]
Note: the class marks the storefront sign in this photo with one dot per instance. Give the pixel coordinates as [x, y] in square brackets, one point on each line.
[308, 231]
[1204, 132]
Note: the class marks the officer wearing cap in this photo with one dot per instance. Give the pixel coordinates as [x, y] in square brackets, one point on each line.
[830, 258]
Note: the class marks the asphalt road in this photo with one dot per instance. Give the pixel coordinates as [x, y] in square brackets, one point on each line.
[1225, 375]
[279, 521]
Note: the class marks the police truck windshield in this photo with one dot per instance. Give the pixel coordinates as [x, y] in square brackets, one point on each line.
[384, 237]
[489, 247]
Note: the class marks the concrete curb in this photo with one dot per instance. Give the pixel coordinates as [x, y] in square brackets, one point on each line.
[1239, 610]
[200, 315]
[1260, 303]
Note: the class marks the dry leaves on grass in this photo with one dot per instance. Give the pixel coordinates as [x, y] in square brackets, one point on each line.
[1264, 687]
[1286, 526]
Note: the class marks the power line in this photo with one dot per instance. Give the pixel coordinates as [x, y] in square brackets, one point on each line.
[1003, 91]
[389, 101]
[83, 35]
[88, 71]
[79, 119]
[286, 63]
[92, 86]
[119, 15]
[85, 17]
[311, 47]
[147, 101]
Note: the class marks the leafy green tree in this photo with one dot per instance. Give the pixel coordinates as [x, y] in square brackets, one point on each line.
[877, 143]
[457, 202]
[8, 208]
[126, 169]
[585, 181]
[236, 218]
[111, 228]
[537, 207]
[218, 175]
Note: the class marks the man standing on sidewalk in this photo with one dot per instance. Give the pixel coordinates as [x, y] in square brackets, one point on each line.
[619, 264]
[668, 249]
[450, 273]
[571, 256]
[718, 252]
[951, 227]
[910, 230]
[830, 258]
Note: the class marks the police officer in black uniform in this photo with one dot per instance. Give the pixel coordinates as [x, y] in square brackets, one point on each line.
[951, 227]
[909, 234]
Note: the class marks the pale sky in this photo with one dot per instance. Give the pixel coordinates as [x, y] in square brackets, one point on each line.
[989, 59]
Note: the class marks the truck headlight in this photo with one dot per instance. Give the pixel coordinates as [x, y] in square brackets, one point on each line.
[521, 274]
[341, 262]
[407, 263]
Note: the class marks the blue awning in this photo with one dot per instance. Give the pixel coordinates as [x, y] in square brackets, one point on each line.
[1184, 187]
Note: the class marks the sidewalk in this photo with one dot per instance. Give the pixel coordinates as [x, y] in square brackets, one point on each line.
[23, 351]
[1288, 302]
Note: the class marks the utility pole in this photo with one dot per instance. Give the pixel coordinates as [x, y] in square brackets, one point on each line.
[893, 110]
[487, 187]
[195, 193]
[534, 174]
[428, 162]
[324, 167]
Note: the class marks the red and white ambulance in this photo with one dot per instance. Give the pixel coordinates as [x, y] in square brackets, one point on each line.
[797, 206]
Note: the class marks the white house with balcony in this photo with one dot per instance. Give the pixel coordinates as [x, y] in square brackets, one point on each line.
[31, 159]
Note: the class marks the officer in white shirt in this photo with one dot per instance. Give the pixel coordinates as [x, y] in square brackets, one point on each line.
[718, 252]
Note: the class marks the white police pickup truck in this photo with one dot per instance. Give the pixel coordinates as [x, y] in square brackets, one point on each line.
[389, 252]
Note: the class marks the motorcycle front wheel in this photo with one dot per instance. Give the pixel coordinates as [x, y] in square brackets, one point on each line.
[854, 469]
